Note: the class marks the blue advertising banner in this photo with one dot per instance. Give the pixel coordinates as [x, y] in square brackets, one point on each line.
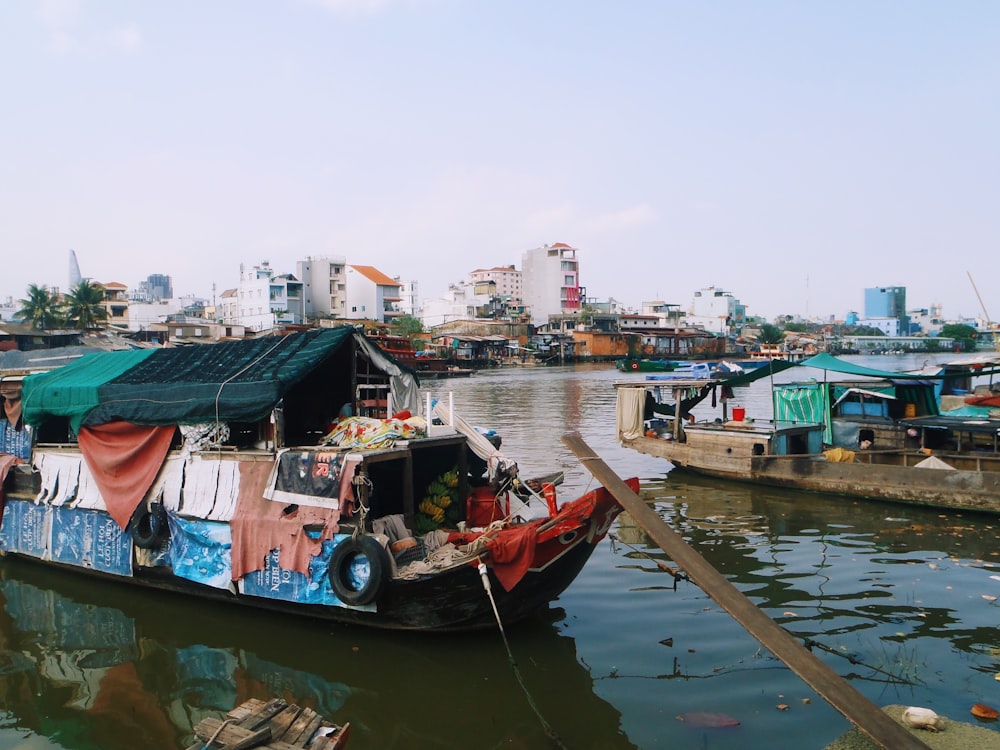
[275, 582]
[24, 528]
[90, 539]
[85, 538]
[201, 551]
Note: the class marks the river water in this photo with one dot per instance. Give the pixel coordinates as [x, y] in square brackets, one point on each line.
[898, 600]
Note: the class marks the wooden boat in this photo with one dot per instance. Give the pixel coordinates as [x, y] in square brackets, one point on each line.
[634, 364]
[882, 439]
[224, 471]
[425, 362]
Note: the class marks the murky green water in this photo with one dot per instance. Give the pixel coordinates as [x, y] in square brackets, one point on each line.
[896, 599]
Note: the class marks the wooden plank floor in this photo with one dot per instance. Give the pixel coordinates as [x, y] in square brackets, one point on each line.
[270, 725]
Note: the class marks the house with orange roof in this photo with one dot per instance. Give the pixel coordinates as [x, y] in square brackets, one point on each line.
[371, 294]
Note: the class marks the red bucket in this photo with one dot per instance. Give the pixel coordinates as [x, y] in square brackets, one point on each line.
[739, 413]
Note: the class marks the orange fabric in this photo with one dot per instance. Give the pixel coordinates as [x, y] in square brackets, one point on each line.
[261, 525]
[512, 553]
[124, 459]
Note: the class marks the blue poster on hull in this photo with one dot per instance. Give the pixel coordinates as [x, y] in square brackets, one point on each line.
[200, 551]
[90, 539]
[85, 538]
[275, 582]
[24, 529]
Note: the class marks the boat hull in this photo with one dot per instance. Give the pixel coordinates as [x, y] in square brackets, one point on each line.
[973, 483]
[450, 599]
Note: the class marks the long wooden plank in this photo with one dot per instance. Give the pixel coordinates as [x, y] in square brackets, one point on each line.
[232, 737]
[868, 717]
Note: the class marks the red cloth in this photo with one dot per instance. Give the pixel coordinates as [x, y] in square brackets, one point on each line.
[260, 525]
[124, 459]
[512, 552]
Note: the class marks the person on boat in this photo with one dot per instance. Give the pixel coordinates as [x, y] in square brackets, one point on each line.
[15, 435]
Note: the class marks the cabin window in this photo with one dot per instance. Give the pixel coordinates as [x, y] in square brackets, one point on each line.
[866, 439]
[798, 445]
[758, 449]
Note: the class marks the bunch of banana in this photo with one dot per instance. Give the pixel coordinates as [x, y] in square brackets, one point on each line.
[441, 496]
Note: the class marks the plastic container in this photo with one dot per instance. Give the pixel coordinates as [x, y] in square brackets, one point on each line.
[739, 413]
[483, 507]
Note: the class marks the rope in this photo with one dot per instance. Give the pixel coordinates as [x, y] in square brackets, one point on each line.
[236, 374]
[549, 731]
[809, 643]
[677, 574]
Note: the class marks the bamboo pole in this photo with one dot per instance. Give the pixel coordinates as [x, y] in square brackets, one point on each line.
[868, 717]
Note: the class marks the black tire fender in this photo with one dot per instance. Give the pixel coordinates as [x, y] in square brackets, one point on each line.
[344, 583]
[148, 526]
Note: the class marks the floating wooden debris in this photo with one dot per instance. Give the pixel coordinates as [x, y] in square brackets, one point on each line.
[271, 725]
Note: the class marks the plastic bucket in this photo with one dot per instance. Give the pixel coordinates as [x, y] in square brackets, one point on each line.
[739, 413]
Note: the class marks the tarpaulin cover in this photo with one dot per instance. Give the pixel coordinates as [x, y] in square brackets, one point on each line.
[228, 381]
[826, 361]
[124, 459]
[73, 390]
[800, 402]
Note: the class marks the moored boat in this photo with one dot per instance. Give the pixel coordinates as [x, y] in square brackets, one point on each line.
[302, 473]
[882, 437]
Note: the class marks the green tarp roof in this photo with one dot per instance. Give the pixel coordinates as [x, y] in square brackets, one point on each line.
[826, 361]
[237, 381]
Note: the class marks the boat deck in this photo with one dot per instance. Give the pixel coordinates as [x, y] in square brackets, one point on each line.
[271, 725]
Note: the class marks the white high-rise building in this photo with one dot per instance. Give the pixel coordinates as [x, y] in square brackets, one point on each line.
[324, 288]
[74, 270]
[550, 278]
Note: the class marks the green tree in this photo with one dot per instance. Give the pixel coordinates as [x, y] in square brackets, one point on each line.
[40, 308]
[770, 334]
[83, 306]
[407, 325]
[964, 335]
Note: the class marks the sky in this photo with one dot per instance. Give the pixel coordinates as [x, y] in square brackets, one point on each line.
[790, 153]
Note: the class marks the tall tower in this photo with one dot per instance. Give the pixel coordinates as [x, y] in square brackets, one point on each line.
[74, 270]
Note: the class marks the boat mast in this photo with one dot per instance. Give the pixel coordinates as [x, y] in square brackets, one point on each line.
[989, 321]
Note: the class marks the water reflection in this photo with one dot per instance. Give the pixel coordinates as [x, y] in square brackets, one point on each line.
[92, 667]
[891, 595]
[895, 593]
[891, 589]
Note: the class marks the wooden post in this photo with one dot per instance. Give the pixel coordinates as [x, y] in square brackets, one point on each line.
[677, 414]
[868, 717]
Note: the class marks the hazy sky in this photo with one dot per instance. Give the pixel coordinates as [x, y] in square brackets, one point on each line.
[791, 153]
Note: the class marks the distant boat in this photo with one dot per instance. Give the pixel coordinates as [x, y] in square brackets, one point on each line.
[634, 364]
[882, 437]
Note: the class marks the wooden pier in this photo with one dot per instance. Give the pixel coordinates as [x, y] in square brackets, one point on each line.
[270, 725]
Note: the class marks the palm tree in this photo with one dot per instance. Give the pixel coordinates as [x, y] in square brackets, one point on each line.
[83, 306]
[40, 308]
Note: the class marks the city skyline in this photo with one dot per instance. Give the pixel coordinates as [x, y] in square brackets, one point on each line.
[856, 312]
[781, 151]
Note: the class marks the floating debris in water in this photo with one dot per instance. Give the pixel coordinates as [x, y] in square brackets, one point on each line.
[708, 719]
[984, 712]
